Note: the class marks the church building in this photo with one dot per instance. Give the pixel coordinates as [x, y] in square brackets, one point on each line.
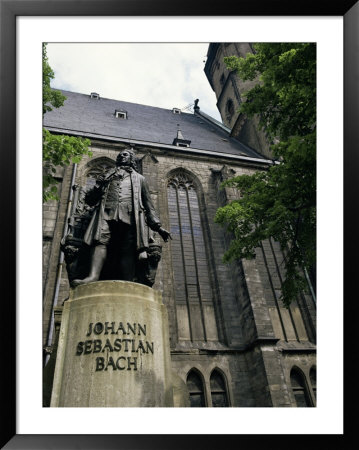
[232, 341]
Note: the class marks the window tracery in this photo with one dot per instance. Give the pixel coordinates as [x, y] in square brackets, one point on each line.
[189, 258]
[97, 168]
[313, 380]
[218, 389]
[195, 389]
[300, 389]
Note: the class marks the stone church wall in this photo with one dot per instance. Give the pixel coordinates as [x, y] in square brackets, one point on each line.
[242, 320]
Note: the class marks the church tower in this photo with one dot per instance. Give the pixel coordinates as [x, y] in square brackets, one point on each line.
[230, 93]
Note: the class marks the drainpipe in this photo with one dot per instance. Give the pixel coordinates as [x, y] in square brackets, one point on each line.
[61, 262]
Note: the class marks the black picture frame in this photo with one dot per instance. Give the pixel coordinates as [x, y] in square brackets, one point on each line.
[9, 10]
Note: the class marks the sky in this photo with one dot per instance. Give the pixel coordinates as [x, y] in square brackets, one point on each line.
[166, 75]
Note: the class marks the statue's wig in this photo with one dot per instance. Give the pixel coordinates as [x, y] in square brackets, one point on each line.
[133, 158]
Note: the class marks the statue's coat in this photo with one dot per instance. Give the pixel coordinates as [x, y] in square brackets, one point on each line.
[143, 209]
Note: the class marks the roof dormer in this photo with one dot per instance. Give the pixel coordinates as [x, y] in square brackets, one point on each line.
[180, 141]
[120, 114]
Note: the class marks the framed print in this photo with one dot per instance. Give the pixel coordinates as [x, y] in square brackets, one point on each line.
[30, 421]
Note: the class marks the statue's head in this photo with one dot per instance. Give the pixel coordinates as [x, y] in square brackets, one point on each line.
[127, 157]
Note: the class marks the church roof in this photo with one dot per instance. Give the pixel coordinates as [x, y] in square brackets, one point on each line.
[96, 117]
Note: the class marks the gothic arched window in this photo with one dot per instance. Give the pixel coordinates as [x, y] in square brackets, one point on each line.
[218, 390]
[313, 380]
[299, 388]
[193, 293]
[97, 167]
[230, 107]
[195, 389]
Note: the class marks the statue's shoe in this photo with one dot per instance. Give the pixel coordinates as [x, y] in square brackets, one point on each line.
[75, 283]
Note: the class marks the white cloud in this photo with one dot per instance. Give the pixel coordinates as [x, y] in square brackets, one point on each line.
[156, 74]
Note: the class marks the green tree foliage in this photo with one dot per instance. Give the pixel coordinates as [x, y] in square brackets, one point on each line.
[281, 201]
[58, 150]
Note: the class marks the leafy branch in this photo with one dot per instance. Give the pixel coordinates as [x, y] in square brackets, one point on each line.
[278, 203]
[58, 150]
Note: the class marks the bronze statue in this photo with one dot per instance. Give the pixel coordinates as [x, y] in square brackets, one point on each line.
[118, 236]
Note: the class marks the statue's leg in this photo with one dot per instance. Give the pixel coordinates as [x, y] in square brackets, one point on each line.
[98, 258]
[127, 251]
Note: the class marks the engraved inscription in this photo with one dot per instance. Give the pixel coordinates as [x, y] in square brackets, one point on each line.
[132, 341]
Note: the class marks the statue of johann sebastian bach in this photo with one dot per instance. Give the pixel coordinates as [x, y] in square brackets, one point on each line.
[120, 221]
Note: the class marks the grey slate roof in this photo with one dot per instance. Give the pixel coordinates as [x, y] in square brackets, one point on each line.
[83, 114]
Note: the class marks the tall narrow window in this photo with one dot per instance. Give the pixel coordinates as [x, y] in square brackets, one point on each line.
[229, 109]
[195, 389]
[299, 388]
[193, 294]
[313, 380]
[218, 390]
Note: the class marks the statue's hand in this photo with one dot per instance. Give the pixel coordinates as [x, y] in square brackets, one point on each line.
[105, 177]
[165, 235]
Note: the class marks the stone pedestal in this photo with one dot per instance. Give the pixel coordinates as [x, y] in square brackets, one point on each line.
[113, 348]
